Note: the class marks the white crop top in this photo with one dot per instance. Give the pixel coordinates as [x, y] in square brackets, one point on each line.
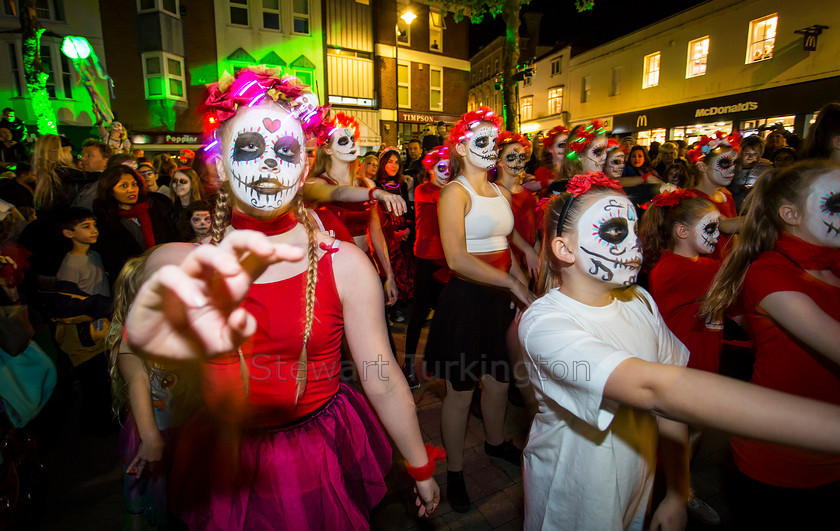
[489, 222]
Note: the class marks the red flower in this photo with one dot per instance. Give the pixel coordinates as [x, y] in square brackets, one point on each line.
[672, 199]
[580, 184]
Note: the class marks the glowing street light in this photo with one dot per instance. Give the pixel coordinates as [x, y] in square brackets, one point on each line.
[408, 17]
[76, 47]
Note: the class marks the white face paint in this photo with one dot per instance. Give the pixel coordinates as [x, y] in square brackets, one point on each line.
[595, 155]
[482, 146]
[442, 172]
[200, 222]
[343, 145]
[513, 159]
[265, 157]
[558, 149]
[181, 184]
[723, 168]
[705, 233]
[614, 166]
[305, 104]
[608, 248]
[821, 219]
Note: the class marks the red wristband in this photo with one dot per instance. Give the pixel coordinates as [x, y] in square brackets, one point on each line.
[372, 191]
[645, 177]
[422, 473]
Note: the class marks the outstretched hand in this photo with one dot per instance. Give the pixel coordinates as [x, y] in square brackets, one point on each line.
[192, 310]
[428, 497]
[393, 203]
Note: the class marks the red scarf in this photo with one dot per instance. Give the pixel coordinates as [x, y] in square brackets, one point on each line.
[282, 223]
[807, 255]
[141, 212]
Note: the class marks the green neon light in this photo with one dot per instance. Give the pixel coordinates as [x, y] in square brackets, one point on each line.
[76, 47]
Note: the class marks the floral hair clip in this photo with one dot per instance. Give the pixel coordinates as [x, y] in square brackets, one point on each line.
[463, 128]
[584, 138]
[580, 184]
[338, 122]
[506, 137]
[713, 145]
[552, 134]
[671, 199]
[612, 143]
[431, 160]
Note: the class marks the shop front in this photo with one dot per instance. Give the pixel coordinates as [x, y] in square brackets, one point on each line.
[416, 124]
[750, 112]
[165, 142]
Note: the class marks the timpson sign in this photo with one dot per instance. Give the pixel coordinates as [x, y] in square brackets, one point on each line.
[726, 109]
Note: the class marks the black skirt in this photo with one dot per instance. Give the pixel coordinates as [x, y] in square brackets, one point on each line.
[467, 338]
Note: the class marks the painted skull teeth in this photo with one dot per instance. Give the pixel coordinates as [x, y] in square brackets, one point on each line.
[831, 228]
[822, 210]
[609, 227]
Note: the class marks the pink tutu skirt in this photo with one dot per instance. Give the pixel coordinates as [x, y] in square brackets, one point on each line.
[323, 472]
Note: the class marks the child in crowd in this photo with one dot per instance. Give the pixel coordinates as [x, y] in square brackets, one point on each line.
[608, 376]
[786, 266]
[195, 221]
[81, 305]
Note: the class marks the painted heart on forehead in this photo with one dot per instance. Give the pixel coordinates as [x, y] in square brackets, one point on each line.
[265, 157]
[609, 247]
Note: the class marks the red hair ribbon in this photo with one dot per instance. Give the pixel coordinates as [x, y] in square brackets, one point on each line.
[506, 137]
[552, 134]
[580, 184]
[671, 199]
[422, 473]
[708, 145]
[468, 120]
[585, 136]
[338, 122]
[431, 160]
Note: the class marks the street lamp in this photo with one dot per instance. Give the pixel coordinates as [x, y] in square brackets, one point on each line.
[408, 17]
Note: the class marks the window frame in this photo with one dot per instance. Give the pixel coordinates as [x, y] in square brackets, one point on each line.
[433, 88]
[238, 4]
[553, 98]
[159, 8]
[51, 7]
[526, 102]
[407, 84]
[278, 12]
[559, 64]
[164, 58]
[585, 89]
[690, 61]
[436, 29]
[16, 68]
[302, 16]
[400, 25]
[647, 71]
[615, 80]
[750, 43]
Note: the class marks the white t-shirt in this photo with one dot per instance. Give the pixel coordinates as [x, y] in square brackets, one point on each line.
[589, 461]
[87, 272]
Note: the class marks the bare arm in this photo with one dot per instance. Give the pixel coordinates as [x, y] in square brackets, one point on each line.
[532, 259]
[705, 399]
[316, 190]
[731, 225]
[673, 447]
[136, 377]
[800, 316]
[380, 250]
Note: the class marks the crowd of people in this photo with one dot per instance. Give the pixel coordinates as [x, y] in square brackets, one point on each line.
[212, 303]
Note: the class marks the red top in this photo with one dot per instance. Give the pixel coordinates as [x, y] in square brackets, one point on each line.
[524, 206]
[727, 210]
[354, 216]
[330, 224]
[427, 241]
[273, 352]
[544, 176]
[678, 285]
[785, 364]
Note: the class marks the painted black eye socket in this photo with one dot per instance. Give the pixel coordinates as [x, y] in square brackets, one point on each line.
[831, 204]
[287, 149]
[248, 146]
[711, 228]
[614, 230]
[618, 161]
[598, 151]
[442, 168]
[725, 163]
[511, 157]
[482, 142]
[343, 141]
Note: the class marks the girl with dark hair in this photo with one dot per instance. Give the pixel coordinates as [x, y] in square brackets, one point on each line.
[785, 267]
[282, 443]
[823, 140]
[608, 378]
[130, 219]
[195, 222]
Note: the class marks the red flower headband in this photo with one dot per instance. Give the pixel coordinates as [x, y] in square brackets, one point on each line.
[708, 146]
[584, 137]
[552, 134]
[463, 128]
[431, 160]
[671, 199]
[506, 137]
[580, 184]
[338, 122]
[612, 143]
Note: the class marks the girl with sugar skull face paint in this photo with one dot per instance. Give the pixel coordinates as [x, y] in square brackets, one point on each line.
[611, 420]
[786, 259]
[467, 337]
[300, 293]
[552, 161]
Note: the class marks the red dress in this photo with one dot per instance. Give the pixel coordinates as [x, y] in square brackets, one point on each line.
[785, 364]
[524, 206]
[727, 210]
[264, 461]
[678, 285]
[427, 240]
[354, 216]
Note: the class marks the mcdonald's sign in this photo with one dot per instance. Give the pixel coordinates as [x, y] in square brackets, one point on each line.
[641, 120]
[809, 36]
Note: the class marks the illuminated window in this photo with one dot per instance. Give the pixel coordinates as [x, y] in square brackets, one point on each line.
[238, 12]
[164, 76]
[615, 84]
[762, 38]
[555, 100]
[436, 27]
[300, 17]
[403, 84]
[585, 89]
[271, 14]
[526, 108]
[435, 88]
[698, 53]
[47, 65]
[651, 77]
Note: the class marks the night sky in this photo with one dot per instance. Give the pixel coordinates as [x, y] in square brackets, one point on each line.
[561, 23]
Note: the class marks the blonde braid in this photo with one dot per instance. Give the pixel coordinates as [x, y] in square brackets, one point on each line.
[311, 279]
[221, 215]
